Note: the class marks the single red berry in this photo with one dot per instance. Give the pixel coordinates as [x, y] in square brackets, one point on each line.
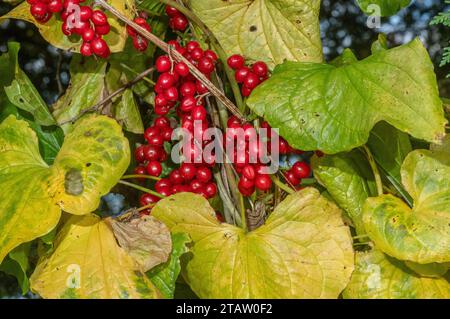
[241, 74]
[205, 65]
[245, 182]
[211, 55]
[260, 69]
[197, 54]
[263, 182]
[233, 122]
[201, 88]
[236, 61]
[182, 69]
[85, 13]
[156, 140]
[31, 2]
[99, 17]
[249, 172]
[39, 10]
[88, 35]
[188, 171]
[246, 191]
[151, 131]
[86, 49]
[162, 183]
[211, 190]
[163, 64]
[81, 27]
[140, 170]
[199, 113]
[162, 110]
[291, 178]
[175, 44]
[179, 22]
[203, 174]
[301, 170]
[162, 122]
[188, 89]
[139, 154]
[160, 100]
[102, 29]
[188, 103]
[196, 186]
[152, 152]
[166, 133]
[283, 146]
[165, 191]
[154, 168]
[99, 46]
[55, 6]
[245, 91]
[166, 80]
[140, 43]
[171, 11]
[175, 177]
[67, 30]
[171, 94]
[147, 199]
[164, 156]
[142, 23]
[251, 81]
[192, 45]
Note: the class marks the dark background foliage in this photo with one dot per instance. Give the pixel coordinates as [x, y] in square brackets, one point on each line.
[343, 25]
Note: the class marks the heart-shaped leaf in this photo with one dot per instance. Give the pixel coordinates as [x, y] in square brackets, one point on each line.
[420, 234]
[93, 157]
[51, 31]
[88, 263]
[303, 251]
[378, 276]
[267, 30]
[334, 107]
[382, 8]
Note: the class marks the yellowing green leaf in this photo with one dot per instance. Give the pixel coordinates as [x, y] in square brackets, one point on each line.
[93, 157]
[382, 8]
[428, 270]
[267, 30]
[378, 276]
[420, 234]
[87, 262]
[334, 107]
[303, 251]
[51, 31]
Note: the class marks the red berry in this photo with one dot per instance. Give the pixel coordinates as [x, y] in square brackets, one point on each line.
[85, 13]
[102, 29]
[165, 191]
[263, 182]
[241, 74]
[175, 177]
[205, 65]
[171, 94]
[142, 23]
[179, 22]
[160, 100]
[245, 91]
[188, 103]
[211, 55]
[166, 80]
[260, 69]
[199, 113]
[301, 170]
[99, 46]
[156, 140]
[291, 178]
[154, 168]
[175, 44]
[249, 172]
[192, 45]
[203, 174]
[88, 35]
[151, 131]
[188, 89]
[99, 17]
[166, 133]
[201, 88]
[139, 154]
[162, 183]
[171, 11]
[55, 6]
[246, 191]
[164, 156]
[233, 122]
[283, 146]
[140, 43]
[86, 49]
[81, 27]
[211, 190]
[236, 61]
[251, 81]
[197, 54]
[152, 152]
[147, 199]
[39, 10]
[162, 122]
[140, 170]
[188, 171]
[195, 186]
[67, 30]
[163, 64]
[162, 110]
[182, 69]
[245, 182]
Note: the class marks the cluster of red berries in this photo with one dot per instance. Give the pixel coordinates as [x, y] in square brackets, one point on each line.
[177, 20]
[90, 24]
[140, 43]
[248, 76]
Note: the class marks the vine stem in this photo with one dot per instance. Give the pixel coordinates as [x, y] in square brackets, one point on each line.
[141, 176]
[143, 189]
[102, 103]
[376, 172]
[177, 57]
[281, 185]
[218, 48]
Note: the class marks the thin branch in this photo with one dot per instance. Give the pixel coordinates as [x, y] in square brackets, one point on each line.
[143, 189]
[177, 57]
[97, 107]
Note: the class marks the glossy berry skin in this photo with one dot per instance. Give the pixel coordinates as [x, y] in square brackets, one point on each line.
[188, 89]
[201, 88]
[99, 46]
[246, 191]
[197, 54]
[205, 65]
[241, 74]
[211, 190]
[139, 154]
[236, 61]
[166, 80]
[147, 199]
[140, 44]
[291, 178]
[99, 17]
[203, 174]
[162, 183]
[251, 81]
[163, 64]
[39, 10]
[260, 69]
[199, 113]
[245, 91]
[88, 35]
[171, 94]
[249, 172]
[182, 69]
[160, 100]
[188, 171]
[85, 13]
[102, 29]
[196, 186]
[263, 182]
[156, 140]
[171, 11]
[179, 22]
[154, 168]
[86, 49]
[175, 177]
[55, 6]
[211, 55]
[151, 131]
[246, 183]
[192, 45]
[188, 103]
[162, 122]
[140, 170]
[301, 170]
[166, 133]
[152, 153]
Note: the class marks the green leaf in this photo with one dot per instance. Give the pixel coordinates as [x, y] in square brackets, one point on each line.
[94, 156]
[433, 270]
[85, 90]
[303, 251]
[7, 72]
[382, 8]
[420, 234]
[333, 108]
[52, 30]
[378, 276]
[16, 264]
[269, 30]
[349, 180]
[127, 112]
[88, 263]
[164, 276]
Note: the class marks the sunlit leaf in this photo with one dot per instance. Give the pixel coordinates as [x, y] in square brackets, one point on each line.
[382, 8]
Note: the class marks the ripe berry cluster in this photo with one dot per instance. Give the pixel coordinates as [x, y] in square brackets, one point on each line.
[177, 88]
[139, 42]
[177, 20]
[249, 76]
[90, 24]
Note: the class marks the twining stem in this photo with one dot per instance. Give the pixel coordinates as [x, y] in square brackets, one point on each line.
[281, 185]
[376, 172]
[217, 47]
[141, 176]
[103, 102]
[178, 57]
[143, 189]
